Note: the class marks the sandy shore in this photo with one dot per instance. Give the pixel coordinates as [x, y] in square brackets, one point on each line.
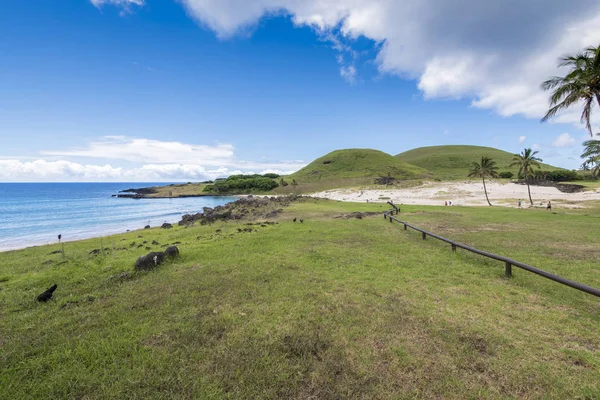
[464, 194]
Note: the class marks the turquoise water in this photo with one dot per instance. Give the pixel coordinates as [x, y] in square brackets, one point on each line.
[36, 213]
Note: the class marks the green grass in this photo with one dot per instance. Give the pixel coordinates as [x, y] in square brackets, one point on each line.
[452, 162]
[176, 190]
[354, 167]
[331, 308]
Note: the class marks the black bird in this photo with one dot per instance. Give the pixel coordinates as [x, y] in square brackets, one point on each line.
[47, 295]
[294, 219]
[301, 220]
[59, 237]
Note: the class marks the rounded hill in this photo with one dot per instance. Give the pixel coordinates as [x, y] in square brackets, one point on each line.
[453, 161]
[357, 163]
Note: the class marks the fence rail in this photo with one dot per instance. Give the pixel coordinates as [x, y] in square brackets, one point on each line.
[508, 262]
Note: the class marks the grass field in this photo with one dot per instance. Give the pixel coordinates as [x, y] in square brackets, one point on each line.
[331, 308]
[452, 162]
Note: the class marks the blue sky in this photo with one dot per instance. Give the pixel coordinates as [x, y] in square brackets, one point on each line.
[163, 90]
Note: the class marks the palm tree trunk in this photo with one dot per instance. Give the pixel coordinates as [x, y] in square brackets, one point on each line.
[485, 191]
[528, 190]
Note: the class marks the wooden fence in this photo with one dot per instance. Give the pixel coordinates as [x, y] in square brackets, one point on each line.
[508, 262]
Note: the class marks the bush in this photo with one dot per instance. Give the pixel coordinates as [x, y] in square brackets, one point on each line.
[559, 175]
[241, 184]
[282, 182]
[272, 176]
[506, 174]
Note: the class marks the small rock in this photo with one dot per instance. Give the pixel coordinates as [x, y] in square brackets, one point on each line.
[154, 242]
[166, 226]
[149, 261]
[147, 227]
[148, 248]
[171, 252]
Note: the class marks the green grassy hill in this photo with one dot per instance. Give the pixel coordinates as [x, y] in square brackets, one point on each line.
[452, 162]
[355, 167]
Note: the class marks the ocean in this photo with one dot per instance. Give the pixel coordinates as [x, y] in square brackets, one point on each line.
[36, 213]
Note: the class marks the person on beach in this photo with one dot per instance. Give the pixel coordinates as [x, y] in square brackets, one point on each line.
[549, 206]
[519, 204]
[445, 204]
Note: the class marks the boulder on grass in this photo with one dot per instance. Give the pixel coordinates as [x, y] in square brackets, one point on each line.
[171, 252]
[149, 261]
[147, 227]
[166, 226]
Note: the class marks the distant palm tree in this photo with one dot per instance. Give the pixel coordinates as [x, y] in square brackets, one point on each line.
[526, 161]
[581, 84]
[486, 168]
[591, 154]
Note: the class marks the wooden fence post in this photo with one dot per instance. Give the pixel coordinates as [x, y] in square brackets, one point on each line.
[424, 236]
[390, 219]
[508, 270]
[404, 226]
[454, 248]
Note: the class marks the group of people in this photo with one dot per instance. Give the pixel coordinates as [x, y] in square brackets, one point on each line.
[447, 203]
[548, 206]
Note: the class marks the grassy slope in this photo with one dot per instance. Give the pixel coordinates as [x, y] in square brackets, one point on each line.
[175, 190]
[351, 167]
[452, 162]
[331, 308]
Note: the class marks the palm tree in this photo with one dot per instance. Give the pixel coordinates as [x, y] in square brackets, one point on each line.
[526, 161]
[486, 168]
[581, 84]
[591, 154]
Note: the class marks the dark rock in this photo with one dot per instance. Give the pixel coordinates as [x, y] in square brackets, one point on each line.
[154, 242]
[140, 236]
[171, 252]
[174, 243]
[47, 295]
[166, 226]
[148, 248]
[147, 227]
[55, 252]
[149, 261]
[48, 262]
[145, 241]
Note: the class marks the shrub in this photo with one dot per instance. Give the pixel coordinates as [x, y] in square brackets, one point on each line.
[506, 174]
[272, 176]
[282, 182]
[559, 175]
[241, 183]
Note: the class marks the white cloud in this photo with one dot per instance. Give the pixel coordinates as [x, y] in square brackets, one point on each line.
[496, 54]
[153, 160]
[348, 73]
[66, 171]
[120, 3]
[563, 140]
[522, 139]
[151, 151]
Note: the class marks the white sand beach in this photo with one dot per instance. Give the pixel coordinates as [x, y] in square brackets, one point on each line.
[465, 194]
